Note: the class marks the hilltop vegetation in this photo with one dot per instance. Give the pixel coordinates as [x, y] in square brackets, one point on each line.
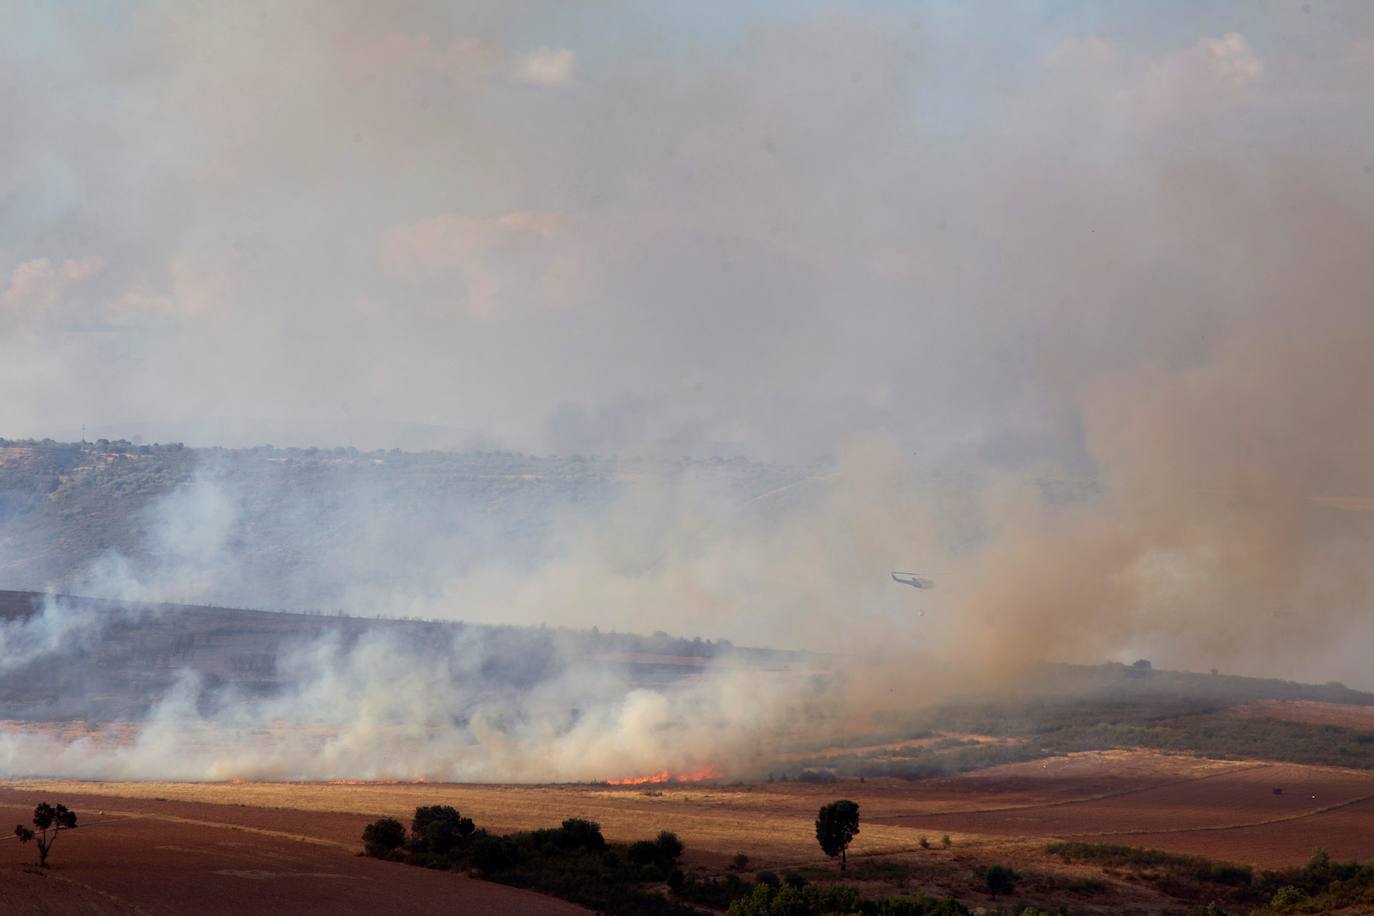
[1320, 886]
[1067, 708]
[300, 526]
[142, 648]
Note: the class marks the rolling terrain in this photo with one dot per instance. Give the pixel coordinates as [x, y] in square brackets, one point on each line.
[248, 839]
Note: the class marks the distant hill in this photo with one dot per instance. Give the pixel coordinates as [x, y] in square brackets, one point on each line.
[116, 659]
[310, 528]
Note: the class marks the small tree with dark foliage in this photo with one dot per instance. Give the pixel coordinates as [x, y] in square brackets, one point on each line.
[49, 821]
[836, 826]
[383, 837]
[439, 828]
[584, 833]
[1000, 879]
[668, 845]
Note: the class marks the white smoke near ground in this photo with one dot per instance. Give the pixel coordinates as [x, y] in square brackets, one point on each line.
[383, 706]
[1021, 579]
[183, 559]
[1133, 263]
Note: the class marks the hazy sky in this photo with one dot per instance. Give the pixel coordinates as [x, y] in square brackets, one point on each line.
[725, 227]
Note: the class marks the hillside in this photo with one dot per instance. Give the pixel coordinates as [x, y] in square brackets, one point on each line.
[117, 659]
[310, 528]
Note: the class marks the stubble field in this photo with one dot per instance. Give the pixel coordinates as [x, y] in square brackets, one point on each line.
[161, 847]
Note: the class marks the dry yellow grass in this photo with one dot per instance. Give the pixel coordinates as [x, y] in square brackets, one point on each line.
[772, 823]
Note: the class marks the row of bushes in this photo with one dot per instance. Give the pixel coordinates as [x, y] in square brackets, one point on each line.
[1320, 886]
[573, 861]
[768, 899]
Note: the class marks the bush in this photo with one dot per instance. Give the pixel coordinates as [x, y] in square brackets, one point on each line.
[769, 878]
[439, 829]
[999, 879]
[383, 837]
[822, 900]
[586, 834]
[493, 853]
[1287, 896]
[642, 852]
[669, 846]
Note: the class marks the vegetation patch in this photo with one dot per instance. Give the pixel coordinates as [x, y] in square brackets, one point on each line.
[572, 861]
[1320, 886]
[823, 899]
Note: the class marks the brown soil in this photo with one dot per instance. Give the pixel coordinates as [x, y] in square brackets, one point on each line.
[133, 855]
[225, 836]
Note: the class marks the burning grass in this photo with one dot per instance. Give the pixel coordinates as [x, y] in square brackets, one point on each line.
[668, 776]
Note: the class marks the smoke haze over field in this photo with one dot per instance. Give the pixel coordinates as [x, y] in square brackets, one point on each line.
[1118, 248]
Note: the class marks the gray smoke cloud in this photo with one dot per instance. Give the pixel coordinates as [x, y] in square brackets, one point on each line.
[1114, 251]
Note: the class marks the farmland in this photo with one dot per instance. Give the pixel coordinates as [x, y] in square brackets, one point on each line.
[243, 837]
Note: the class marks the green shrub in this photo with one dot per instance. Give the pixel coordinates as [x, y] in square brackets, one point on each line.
[823, 900]
[383, 837]
[669, 847]
[584, 833]
[642, 852]
[1287, 896]
[439, 829]
[999, 879]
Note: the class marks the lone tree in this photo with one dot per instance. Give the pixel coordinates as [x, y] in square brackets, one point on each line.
[1000, 879]
[49, 821]
[836, 826]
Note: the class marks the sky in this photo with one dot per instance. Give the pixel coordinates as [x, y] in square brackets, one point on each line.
[751, 228]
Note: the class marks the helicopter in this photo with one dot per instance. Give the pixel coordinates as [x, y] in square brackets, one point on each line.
[912, 579]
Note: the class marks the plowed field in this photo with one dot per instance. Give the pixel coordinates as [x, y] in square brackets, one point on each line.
[177, 847]
[144, 856]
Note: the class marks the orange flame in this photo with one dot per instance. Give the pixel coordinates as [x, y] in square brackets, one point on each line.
[711, 771]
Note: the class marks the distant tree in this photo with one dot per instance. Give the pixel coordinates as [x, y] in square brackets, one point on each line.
[1142, 664]
[48, 822]
[836, 826]
[383, 836]
[999, 879]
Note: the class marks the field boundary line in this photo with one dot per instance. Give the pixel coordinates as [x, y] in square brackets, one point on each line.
[1325, 809]
[1079, 801]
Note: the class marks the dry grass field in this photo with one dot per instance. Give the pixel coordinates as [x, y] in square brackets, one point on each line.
[235, 843]
[1312, 712]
